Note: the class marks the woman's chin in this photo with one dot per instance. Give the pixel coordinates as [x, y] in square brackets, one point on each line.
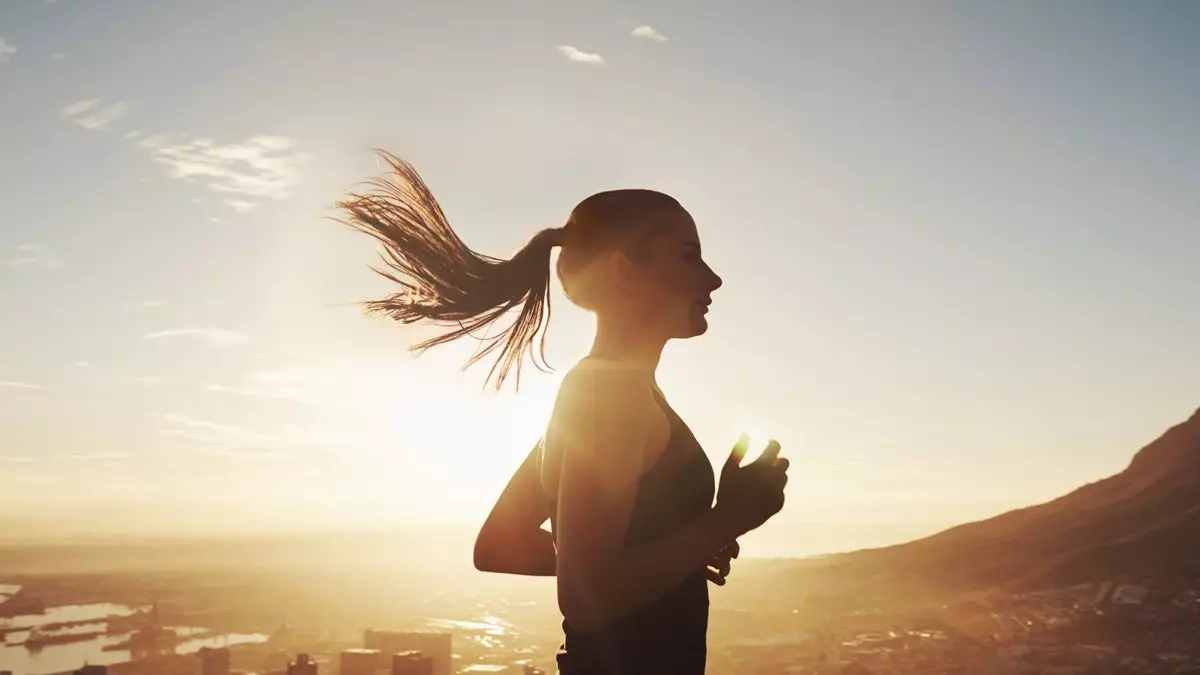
[696, 327]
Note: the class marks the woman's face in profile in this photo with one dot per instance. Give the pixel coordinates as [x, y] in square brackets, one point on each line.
[670, 282]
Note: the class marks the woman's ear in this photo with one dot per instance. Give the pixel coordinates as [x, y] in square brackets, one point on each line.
[622, 270]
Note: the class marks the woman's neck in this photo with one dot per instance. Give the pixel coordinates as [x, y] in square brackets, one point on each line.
[618, 343]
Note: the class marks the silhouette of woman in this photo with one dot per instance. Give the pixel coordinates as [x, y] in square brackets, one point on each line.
[635, 535]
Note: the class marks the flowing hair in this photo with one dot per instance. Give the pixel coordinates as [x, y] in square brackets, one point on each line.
[445, 282]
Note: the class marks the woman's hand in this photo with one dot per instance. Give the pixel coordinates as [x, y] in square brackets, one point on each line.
[747, 496]
[718, 569]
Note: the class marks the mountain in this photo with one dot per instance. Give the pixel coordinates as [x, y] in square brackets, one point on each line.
[1143, 521]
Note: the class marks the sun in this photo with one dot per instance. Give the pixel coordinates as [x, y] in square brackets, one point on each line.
[417, 440]
[760, 433]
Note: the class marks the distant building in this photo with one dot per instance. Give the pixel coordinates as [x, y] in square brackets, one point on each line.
[411, 663]
[436, 646]
[360, 662]
[277, 661]
[214, 661]
[303, 665]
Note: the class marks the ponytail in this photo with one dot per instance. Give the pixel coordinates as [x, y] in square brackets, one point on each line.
[443, 281]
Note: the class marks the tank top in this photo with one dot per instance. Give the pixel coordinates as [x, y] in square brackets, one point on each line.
[668, 636]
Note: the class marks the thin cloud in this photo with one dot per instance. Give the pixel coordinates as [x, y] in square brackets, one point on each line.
[300, 384]
[103, 117]
[648, 33]
[20, 460]
[83, 364]
[90, 116]
[58, 57]
[12, 384]
[239, 205]
[7, 49]
[34, 261]
[259, 391]
[150, 304]
[130, 135]
[210, 432]
[227, 440]
[33, 255]
[260, 166]
[578, 56]
[79, 107]
[216, 336]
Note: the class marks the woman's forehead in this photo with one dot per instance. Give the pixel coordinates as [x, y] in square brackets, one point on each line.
[677, 224]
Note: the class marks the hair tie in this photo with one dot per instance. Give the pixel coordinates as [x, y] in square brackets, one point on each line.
[558, 235]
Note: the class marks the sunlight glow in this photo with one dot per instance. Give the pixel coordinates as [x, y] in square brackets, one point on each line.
[760, 434]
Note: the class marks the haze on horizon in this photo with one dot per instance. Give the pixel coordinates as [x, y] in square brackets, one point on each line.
[958, 247]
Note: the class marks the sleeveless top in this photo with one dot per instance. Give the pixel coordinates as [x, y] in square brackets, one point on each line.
[668, 636]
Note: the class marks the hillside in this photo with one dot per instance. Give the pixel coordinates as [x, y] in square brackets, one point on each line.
[1143, 521]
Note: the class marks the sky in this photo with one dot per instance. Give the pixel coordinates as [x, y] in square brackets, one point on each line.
[958, 243]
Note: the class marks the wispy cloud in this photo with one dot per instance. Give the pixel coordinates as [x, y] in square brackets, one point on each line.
[130, 135]
[79, 107]
[6, 50]
[12, 384]
[58, 57]
[578, 56]
[261, 166]
[33, 255]
[150, 304]
[239, 205]
[210, 432]
[214, 438]
[300, 384]
[257, 390]
[20, 460]
[648, 33]
[89, 115]
[83, 364]
[216, 336]
[143, 381]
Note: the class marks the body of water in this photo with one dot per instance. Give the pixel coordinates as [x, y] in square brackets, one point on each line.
[66, 657]
[68, 613]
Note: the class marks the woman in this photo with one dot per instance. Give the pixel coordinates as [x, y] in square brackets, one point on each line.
[627, 489]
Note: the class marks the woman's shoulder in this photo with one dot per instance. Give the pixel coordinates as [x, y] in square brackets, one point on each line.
[606, 408]
[602, 391]
[606, 383]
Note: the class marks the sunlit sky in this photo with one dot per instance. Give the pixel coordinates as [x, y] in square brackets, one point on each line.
[958, 242]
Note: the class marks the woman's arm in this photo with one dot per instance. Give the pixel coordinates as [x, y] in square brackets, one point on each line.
[512, 540]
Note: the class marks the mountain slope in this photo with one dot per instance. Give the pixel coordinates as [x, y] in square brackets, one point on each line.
[1142, 521]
